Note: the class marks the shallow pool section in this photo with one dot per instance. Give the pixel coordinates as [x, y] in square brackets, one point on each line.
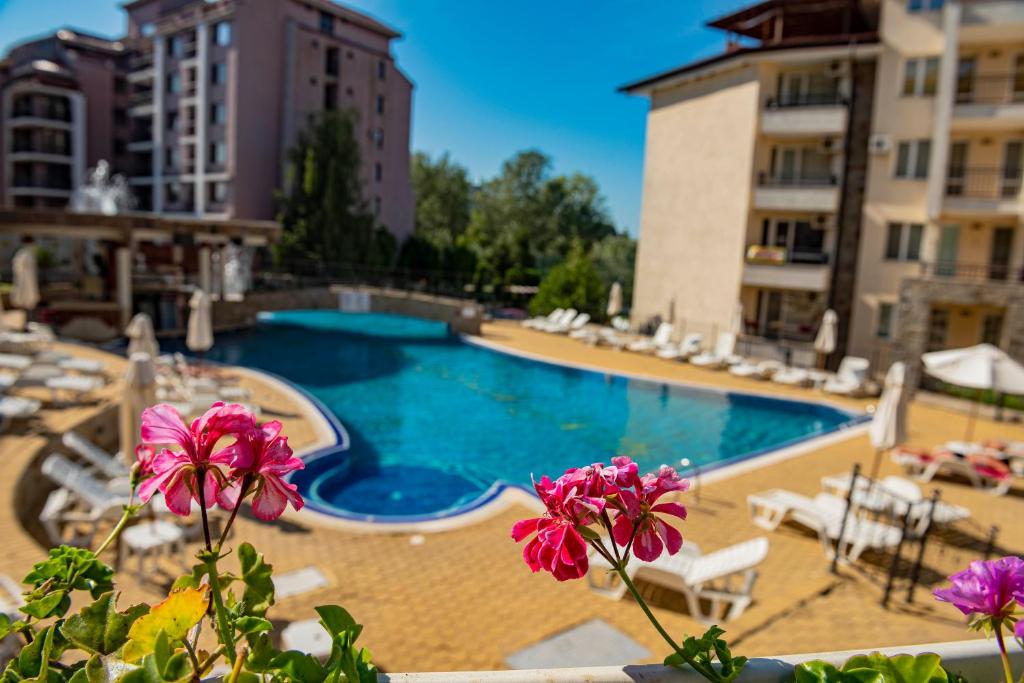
[437, 424]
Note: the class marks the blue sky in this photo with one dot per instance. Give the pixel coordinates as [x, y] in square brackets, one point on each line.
[497, 76]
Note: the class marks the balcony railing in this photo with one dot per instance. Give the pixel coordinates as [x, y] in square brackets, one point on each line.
[763, 254]
[765, 179]
[141, 61]
[991, 89]
[811, 99]
[40, 148]
[955, 270]
[983, 183]
[41, 112]
[141, 97]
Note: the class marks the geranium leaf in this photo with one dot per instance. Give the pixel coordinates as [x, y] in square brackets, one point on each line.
[817, 671]
[299, 667]
[247, 625]
[926, 668]
[257, 577]
[99, 628]
[174, 616]
[47, 605]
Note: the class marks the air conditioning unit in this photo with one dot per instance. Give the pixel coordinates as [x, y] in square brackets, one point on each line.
[828, 146]
[880, 143]
[836, 69]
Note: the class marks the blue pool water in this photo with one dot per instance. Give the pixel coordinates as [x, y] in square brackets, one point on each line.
[435, 422]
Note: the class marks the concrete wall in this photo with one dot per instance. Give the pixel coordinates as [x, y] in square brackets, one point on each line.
[228, 315]
[698, 168]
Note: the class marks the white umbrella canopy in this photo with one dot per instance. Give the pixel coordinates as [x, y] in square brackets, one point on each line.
[25, 293]
[139, 394]
[736, 323]
[200, 325]
[889, 424]
[982, 367]
[614, 300]
[825, 341]
[141, 338]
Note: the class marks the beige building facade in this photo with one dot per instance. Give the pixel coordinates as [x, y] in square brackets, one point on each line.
[840, 152]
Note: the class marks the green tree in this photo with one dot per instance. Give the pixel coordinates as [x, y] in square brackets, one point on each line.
[574, 283]
[443, 195]
[325, 219]
[615, 257]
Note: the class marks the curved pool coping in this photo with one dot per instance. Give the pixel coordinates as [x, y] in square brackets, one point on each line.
[502, 494]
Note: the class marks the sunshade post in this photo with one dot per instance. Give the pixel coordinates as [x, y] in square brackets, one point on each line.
[915, 573]
[846, 514]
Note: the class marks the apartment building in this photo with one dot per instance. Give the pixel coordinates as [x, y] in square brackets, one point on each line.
[58, 98]
[860, 155]
[210, 96]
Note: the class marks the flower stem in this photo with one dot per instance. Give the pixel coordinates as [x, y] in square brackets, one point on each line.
[227, 631]
[707, 672]
[1007, 670]
[246, 482]
[129, 510]
[201, 493]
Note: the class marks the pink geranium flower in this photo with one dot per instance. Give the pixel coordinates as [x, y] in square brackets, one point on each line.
[144, 455]
[175, 473]
[573, 500]
[261, 458]
[637, 511]
[990, 588]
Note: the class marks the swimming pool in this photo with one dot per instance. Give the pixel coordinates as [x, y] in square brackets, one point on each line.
[437, 425]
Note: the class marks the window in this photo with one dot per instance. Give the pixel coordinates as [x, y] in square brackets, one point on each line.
[171, 158]
[378, 172]
[921, 76]
[378, 137]
[922, 5]
[331, 61]
[903, 242]
[327, 23]
[174, 46]
[380, 104]
[218, 114]
[174, 82]
[382, 69]
[218, 153]
[173, 193]
[330, 96]
[938, 324]
[965, 70]
[217, 192]
[912, 157]
[172, 120]
[884, 328]
[222, 33]
[992, 329]
[218, 73]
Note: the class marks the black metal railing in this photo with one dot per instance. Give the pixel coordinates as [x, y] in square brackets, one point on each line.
[40, 148]
[141, 97]
[765, 179]
[48, 112]
[990, 89]
[955, 270]
[811, 99]
[983, 182]
[814, 258]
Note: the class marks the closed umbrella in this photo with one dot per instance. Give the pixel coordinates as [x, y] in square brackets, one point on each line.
[614, 300]
[141, 338]
[736, 324]
[200, 326]
[825, 341]
[139, 393]
[889, 424]
[25, 293]
[983, 367]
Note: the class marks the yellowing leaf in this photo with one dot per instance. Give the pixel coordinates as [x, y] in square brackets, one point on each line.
[174, 616]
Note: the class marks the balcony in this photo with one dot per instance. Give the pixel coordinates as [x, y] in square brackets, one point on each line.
[140, 68]
[779, 268]
[971, 272]
[992, 102]
[819, 193]
[985, 191]
[141, 103]
[813, 114]
[29, 150]
[985, 22]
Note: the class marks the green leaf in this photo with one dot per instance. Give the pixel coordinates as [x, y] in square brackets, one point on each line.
[257, 577]
[178, 613]
[247, 625]
[99, 628]
[261, 653]
[47, 605]
[926, 668]
[588, 533]
[66, 569]
[299, 667]
[817, 671]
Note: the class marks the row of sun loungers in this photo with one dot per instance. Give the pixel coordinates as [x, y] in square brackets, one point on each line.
[67, 377]
[851, 378]
[985, 468]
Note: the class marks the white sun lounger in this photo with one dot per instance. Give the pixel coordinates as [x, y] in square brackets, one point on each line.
[926, 471]
[107, 464]
[896, 494]
[824, 515]
[577, 323]
[77, 387]
[764, 370]
[662, 337]
[568, 315]
[541, 319]
[851, 379]
[15, 361]
[725, 578]
[85, 366]
[85, 487]
[688, 347]
[792, 377]
[722, 356]
[16, 407]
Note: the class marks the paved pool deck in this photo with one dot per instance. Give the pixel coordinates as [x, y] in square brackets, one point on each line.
[463, 599]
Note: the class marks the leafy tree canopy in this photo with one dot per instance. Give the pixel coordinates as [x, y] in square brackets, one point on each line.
[574, 283]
